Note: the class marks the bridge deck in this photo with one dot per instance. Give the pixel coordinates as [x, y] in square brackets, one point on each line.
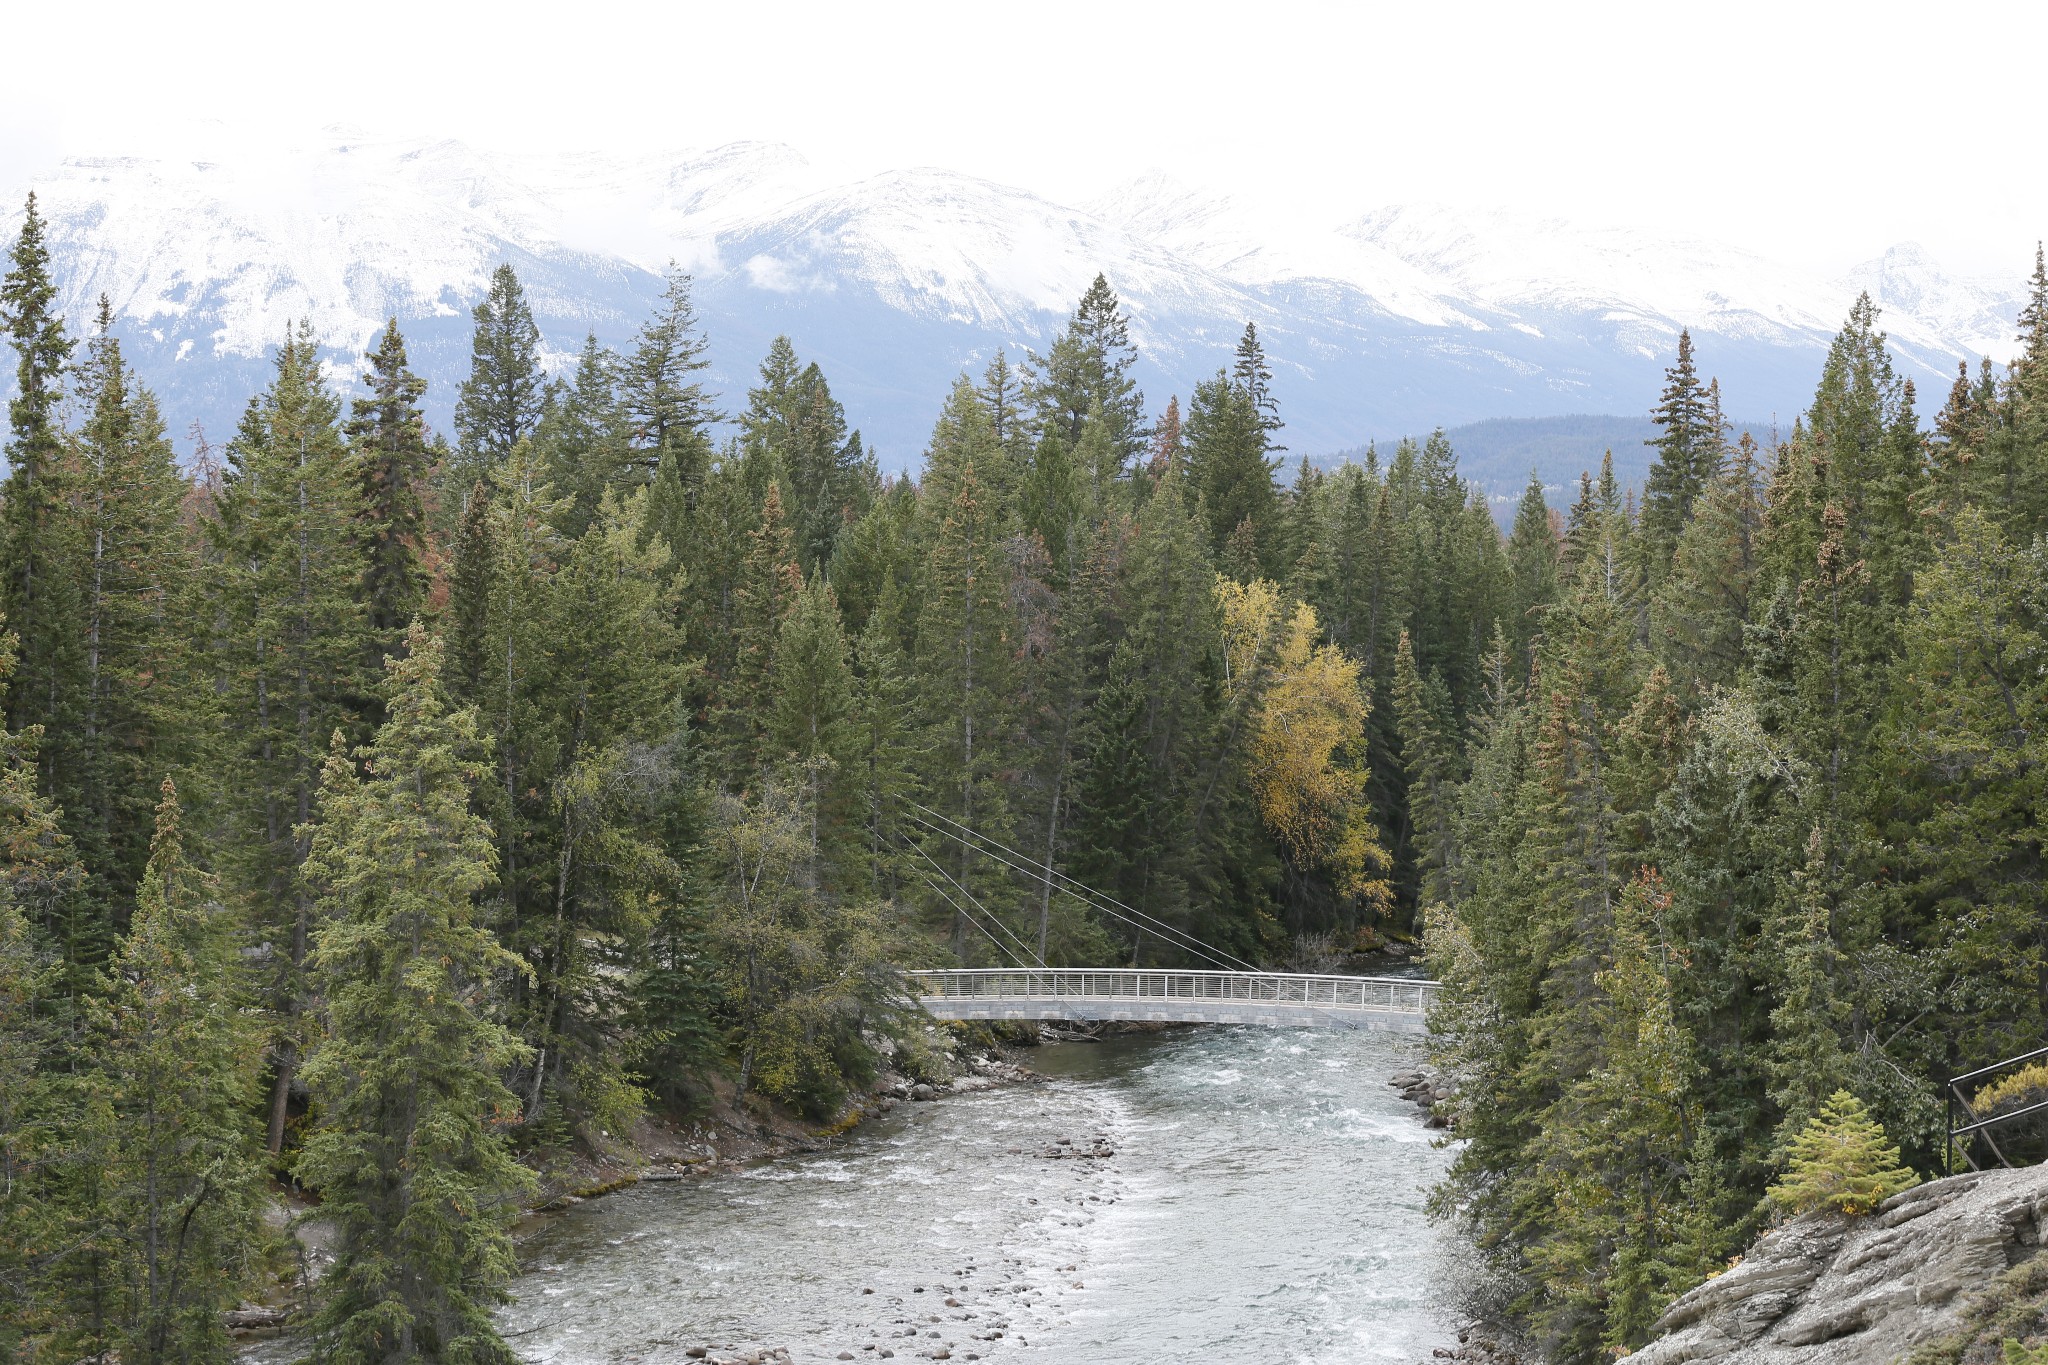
[1272, 999]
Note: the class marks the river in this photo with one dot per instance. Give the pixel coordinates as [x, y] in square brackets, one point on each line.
[1263, 1203]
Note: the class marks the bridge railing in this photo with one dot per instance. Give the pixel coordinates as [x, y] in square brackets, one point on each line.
[1382, 994]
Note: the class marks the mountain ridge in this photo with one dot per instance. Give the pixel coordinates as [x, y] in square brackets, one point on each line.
[1400, 319]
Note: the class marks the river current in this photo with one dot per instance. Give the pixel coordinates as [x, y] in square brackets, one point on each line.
[1263, 1203]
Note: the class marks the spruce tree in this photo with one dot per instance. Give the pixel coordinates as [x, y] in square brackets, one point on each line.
[142, 709]
[665, 406]
[1426, 756]
[38, 538]
[810, 685]
[40, 893]
[500, 403]
[1690, 451]
[1090, 366]
[966, 661]
[1841, 1161]
[1250, 372]
[410, 1158]
[172, 1055]
[389, 433]
[1229, 466]
[291, 662]
[1532, 565]
[581, 439]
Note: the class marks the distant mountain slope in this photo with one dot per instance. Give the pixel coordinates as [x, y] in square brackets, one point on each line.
[1400, 320]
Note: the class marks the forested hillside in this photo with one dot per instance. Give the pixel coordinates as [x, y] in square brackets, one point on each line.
[381, 806]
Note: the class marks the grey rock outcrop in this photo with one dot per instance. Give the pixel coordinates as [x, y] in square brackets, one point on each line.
[1830, 1290]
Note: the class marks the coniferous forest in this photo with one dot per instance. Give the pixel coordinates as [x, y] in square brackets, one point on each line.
[381, 807]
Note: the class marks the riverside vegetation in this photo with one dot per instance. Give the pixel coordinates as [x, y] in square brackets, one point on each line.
[379, 810]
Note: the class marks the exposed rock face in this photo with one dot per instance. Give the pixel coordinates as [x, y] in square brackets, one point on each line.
[1830, 1290]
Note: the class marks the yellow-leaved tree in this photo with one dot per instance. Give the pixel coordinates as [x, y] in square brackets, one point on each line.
[1307, 744]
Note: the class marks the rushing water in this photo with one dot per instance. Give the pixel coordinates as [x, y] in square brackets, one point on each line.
[1263, 1203]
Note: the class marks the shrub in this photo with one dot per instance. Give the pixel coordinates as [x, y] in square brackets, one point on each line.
[1841, 1161]
[2028, 1085]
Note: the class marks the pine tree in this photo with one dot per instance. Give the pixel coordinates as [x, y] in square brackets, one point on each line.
[965, 662]
[1697, 616]
[410, 1158]
[1841, 1161]
[40, 886]
[1229, 466]
[666, 409]
[389, 433]
[794, 424]
[1003, 395]
[1532, 566]
[1690, 452]
[1426, 756]
[470, 589]
[290, 661]
[500, 403]
[1250, 372]
[811, 686]
[581, 440]
[142, 709]
[1089, 366]
[173, 1066]
[38, 540]
[769, 587]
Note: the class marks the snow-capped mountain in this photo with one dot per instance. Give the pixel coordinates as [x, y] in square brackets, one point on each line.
[1402, 319]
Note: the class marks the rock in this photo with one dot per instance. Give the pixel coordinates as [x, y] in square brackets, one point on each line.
[1830, 1290]
[952, 1302]
[844, 1355]
[921, 1091]
[250, 1318]
[697, 1353]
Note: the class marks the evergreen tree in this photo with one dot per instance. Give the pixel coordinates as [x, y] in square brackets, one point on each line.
[1532, 566]
[141, 710]
[290, 661]
[389, 433]
[40, 885]
[1089, 366]
[1691, 449]
[1229, 466]
[172, 1084]
[410, 1157]
[581, 440]
[793, 423]
[1250, 372]
[38, 540]
[966, 657]
[1428, 760]
[1841, 1161]
[500, 403]
[665, 407]
[811, 685]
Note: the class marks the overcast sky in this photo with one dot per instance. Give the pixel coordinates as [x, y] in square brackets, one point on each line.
[1820, 133]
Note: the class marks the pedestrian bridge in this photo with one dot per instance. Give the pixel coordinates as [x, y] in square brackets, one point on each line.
[1272, 999]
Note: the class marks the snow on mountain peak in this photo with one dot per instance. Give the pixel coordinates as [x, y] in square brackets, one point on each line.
[1406, 316]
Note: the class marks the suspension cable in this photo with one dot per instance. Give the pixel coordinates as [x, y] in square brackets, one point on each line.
[1000, 947]
[1173, 934]
[994, 918]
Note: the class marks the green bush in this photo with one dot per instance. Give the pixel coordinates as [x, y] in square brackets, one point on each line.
[1841, 1161]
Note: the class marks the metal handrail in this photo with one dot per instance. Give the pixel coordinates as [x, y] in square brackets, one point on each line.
[1955, 1099]
[1381, 994]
